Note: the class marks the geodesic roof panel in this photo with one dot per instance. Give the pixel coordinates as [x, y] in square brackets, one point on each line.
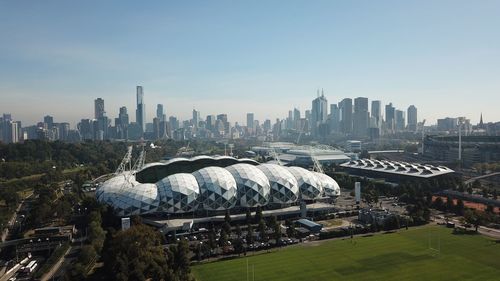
[284, 186]
[252, 184]
[217, 188]
[330, 186]
[114, 185]
[136, 200]
[309, 186]
[178, 193]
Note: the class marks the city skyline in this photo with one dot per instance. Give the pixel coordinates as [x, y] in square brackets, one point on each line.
[220, 56]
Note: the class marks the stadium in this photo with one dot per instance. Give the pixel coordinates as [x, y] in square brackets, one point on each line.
[205, 183]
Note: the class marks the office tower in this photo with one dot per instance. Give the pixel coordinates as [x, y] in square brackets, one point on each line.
[376, 114]
[160, 114]
[334, 118]
[49, 122]
[267, 125]
[196, 118]
[210, 123]
[99, 108]
[14, 132]
[63, 129]
[390, 115]
[296, 114]
[173, 122]
[361, 117]
[140, 112]
[400, 120]
[224, 122]
[345, 107]
[412, 118]
[123, 117]
[250, 122]
[319, 113]
[86, 129]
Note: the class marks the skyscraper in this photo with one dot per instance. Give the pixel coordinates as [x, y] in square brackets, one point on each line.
[99, 108]
[140, 112]
[361, 120]
[412, 118]
[196, 118]
[376, 114]
[400, 120]
[160, 114]
[49, 121]
[250, 121]
[319, 112]
[345, 107]
[334, 118]
[390, 120]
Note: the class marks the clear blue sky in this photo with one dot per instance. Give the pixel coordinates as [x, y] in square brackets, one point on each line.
[56, 57]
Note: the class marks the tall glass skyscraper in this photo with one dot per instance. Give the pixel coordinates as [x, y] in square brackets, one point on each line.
[140, 112]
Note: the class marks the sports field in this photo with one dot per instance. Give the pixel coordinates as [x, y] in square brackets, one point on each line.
[404, 255]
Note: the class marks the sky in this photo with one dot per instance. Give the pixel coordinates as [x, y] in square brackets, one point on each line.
[234, 57]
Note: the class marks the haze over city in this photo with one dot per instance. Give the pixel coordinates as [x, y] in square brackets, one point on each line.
[262, 57]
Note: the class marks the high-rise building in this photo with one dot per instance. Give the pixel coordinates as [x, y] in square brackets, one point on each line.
[99, 108]
[196, 118]
[400, 120]
[49, 122]
[345, 107]
[160, 114]
[412, 118]
[376, 114]
[296, 114]
[334, 118]
[210, 122]
[140, 112]
[319, 112]
[250, 122]
[390, 118]
[361, 117]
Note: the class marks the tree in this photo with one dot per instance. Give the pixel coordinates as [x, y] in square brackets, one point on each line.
[238, 246]
[223, 238]
[459, 208]
[181, 258]
[97, 235]
[290, 230]
[227, 217]
[250, 234]
[258, 214]
[137, 254]
[211, 239]
[438, 203]
[238, 231]
[248, 216]
[490, 209]
[473, 217]
[262, 230]
[450, 206]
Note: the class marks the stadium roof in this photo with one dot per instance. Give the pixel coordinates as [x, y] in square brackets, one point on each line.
[397, 168]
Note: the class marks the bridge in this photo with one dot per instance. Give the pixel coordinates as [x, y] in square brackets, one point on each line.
[470, 181]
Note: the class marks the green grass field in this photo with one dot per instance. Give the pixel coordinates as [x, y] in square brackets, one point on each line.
[404, 255]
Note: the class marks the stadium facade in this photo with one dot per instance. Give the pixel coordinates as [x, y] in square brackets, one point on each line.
[206, 183]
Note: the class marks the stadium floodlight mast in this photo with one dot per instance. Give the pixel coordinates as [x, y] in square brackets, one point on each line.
[126, 161]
